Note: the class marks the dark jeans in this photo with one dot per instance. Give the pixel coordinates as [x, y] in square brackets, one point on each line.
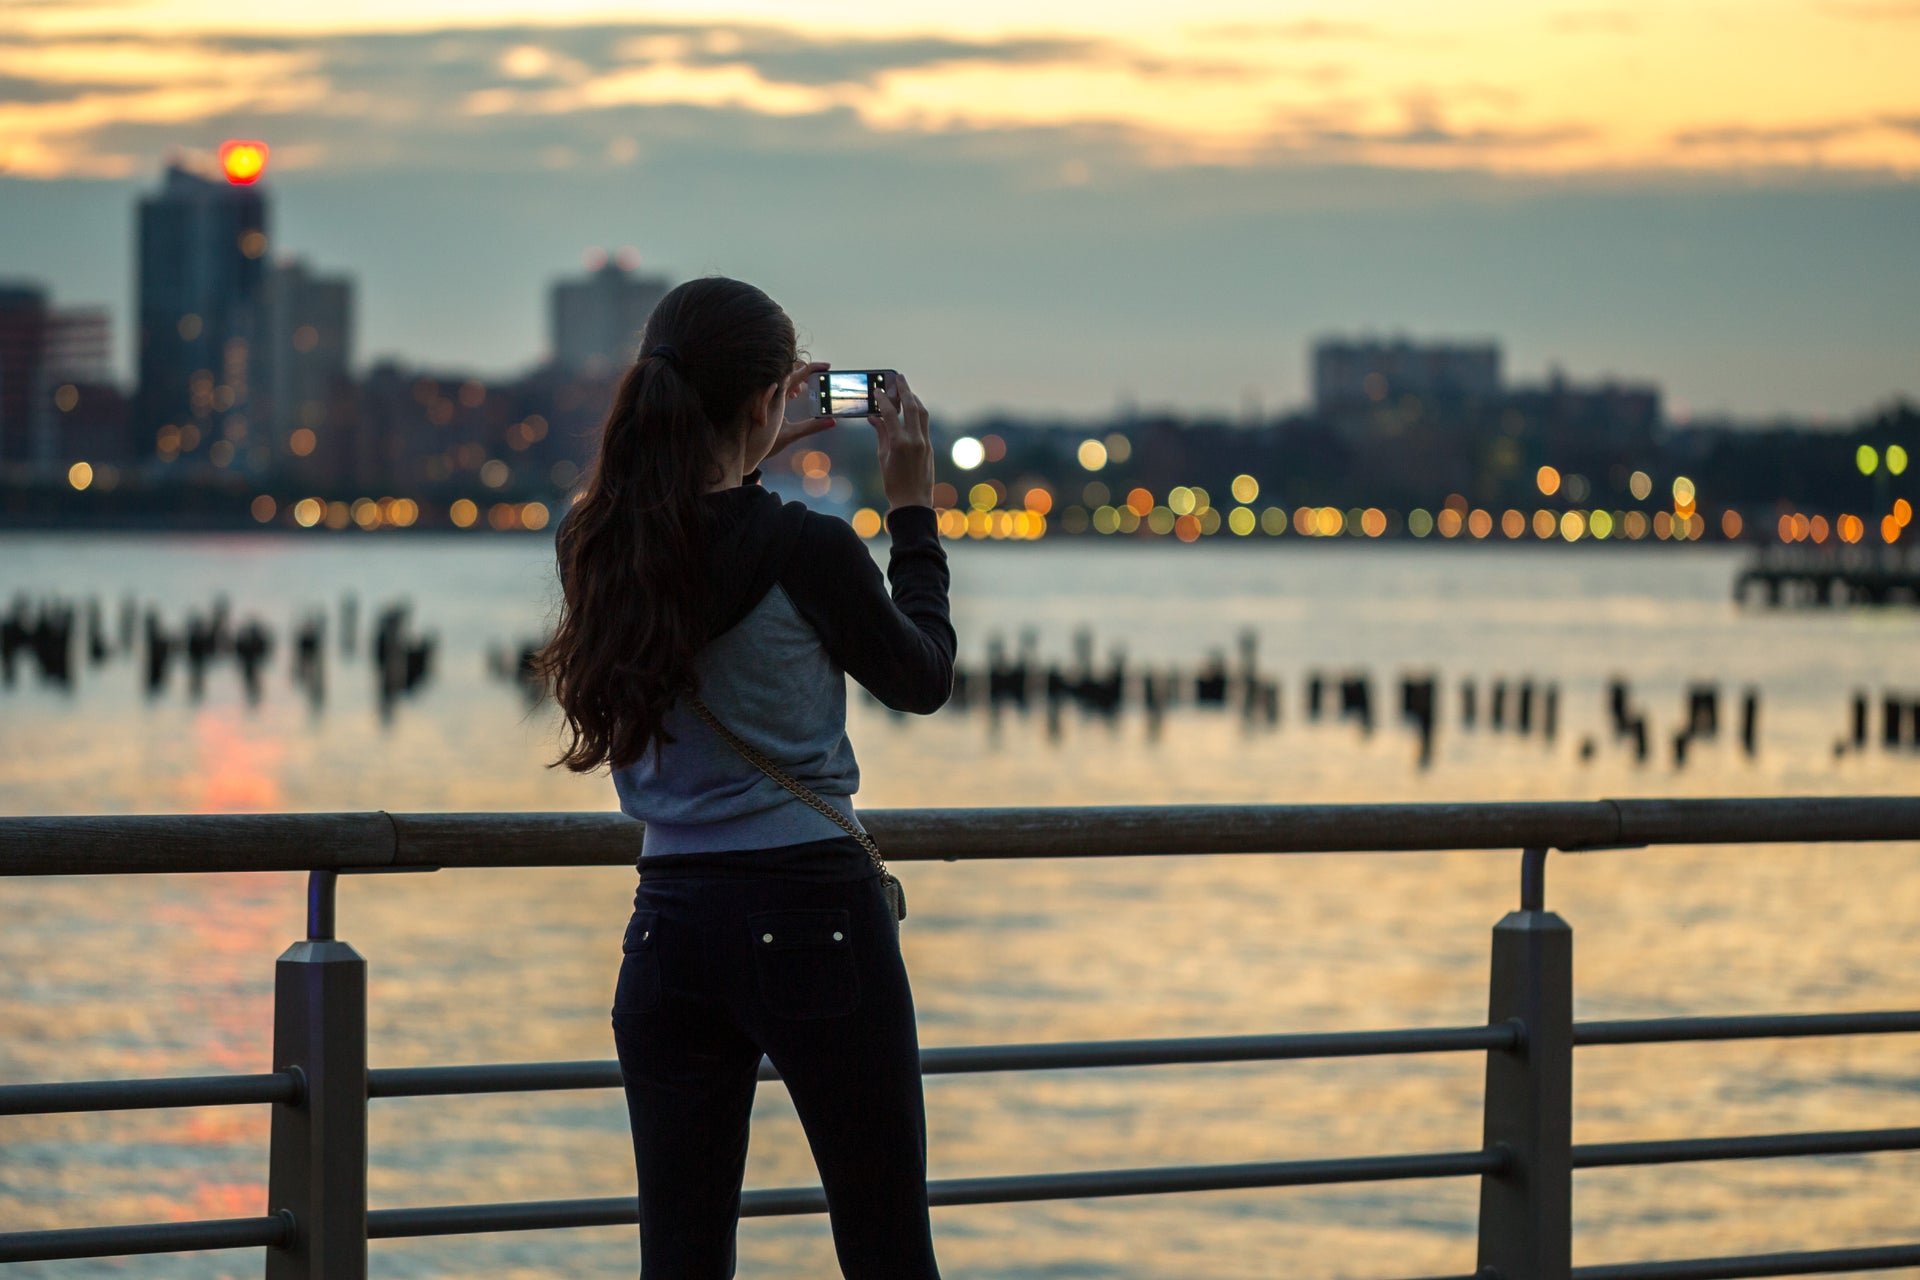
[792, 953]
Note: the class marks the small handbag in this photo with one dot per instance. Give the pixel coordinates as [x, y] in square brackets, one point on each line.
[889, 884]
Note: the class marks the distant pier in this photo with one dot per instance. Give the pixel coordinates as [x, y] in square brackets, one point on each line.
[1786, 577]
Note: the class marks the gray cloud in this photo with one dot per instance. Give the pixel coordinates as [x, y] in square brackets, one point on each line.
[1811, 135]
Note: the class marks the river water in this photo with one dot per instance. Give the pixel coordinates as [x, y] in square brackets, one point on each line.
[172, 975]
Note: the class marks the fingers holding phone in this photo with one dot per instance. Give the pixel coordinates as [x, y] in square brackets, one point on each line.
[905, 445]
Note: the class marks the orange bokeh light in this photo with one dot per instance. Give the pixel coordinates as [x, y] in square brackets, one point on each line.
[243, 162]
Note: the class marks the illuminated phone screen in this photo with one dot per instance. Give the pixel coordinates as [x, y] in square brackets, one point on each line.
[847, 393]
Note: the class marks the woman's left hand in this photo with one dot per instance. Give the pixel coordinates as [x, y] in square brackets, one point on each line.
[793, 431]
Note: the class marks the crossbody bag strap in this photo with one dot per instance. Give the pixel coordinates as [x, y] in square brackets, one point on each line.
[758, 759]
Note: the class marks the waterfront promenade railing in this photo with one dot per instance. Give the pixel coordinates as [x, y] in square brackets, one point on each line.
[317, 1222]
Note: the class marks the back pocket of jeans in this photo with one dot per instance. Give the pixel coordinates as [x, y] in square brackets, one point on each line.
[638, 990]
[804, 963]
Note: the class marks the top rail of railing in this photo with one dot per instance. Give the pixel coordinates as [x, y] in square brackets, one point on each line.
[174, 843]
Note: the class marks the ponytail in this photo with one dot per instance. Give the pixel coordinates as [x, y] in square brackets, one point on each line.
[630, 550]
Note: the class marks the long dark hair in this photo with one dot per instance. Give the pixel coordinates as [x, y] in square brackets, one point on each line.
[629, 549]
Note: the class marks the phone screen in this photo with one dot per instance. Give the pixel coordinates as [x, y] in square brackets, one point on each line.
[850, 395]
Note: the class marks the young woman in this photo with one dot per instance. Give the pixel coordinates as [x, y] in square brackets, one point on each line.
[760, 925]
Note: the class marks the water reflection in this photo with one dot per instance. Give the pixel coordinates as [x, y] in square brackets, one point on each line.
[172, 975]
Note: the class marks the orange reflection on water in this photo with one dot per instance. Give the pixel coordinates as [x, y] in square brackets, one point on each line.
[239, 764]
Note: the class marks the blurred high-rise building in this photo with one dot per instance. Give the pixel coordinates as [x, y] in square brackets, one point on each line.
[202, 273]
[307, 358]
[1357, 375]
[24, 321]
[80, 345]
[596, 320]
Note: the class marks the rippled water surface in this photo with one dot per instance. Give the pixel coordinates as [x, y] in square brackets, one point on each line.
[172, 975]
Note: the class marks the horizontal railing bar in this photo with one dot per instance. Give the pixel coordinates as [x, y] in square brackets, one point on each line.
[133, 1095]
[416, 1082]
[154, 1237]
[1603, 1155]
[387, 1224]
[1745, 1027]
[503, 1077]
[1822, 1262]
[156, 843]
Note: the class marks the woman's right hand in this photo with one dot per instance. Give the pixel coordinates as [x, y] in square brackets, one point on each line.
[906, 447]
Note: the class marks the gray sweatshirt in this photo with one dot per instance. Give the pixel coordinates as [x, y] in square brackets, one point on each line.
[797, 605]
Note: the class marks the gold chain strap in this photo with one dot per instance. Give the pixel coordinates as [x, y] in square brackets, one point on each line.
[755, 757]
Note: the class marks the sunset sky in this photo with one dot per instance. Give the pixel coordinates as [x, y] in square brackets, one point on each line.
[1072, 203]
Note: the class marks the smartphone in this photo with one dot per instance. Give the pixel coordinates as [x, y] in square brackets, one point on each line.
[841, 393]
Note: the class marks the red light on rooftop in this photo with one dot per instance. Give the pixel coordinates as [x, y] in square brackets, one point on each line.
[243, 162]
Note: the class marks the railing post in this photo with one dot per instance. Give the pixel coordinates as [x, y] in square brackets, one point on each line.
[1526, 1211]
[317, 1171]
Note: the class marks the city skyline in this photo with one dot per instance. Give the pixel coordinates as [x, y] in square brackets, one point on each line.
[1078, 206]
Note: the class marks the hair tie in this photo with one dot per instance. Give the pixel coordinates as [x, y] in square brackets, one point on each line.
[665, 351]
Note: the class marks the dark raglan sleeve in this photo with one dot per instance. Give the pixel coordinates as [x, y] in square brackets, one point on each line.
[899, 645]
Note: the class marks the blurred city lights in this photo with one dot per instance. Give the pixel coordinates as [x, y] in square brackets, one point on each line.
[1896, 460]
[1273, 521]
[1903, 512]
[1181, 500]
[968, 453]
[463, 513]
[1640, 484]
[1039, 501]
[1419, 522]
[1867, 459]
[1092, 454]
[1119, 448]
[1480, 523]
[993, 448]
[1549, 481]
[263, 508]
[243, 161]
[1683, 492]
[1731, 523]
[1600, 525]
[1572, 526]
[1242, 521]
[1245, 488]
[80, 475]
[1889, 529]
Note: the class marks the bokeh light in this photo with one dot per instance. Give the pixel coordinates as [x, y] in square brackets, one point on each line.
[1867, 458]
[1640, 484]
[968, 453]
[1896, 460]
[80, 475]
[243, 160]
[1092, 454]
[1245, 488]
[1548, 480]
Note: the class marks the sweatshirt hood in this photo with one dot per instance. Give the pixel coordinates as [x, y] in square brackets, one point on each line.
[754, 533]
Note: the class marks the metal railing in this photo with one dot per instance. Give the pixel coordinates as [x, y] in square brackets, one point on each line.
[318, 1223]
